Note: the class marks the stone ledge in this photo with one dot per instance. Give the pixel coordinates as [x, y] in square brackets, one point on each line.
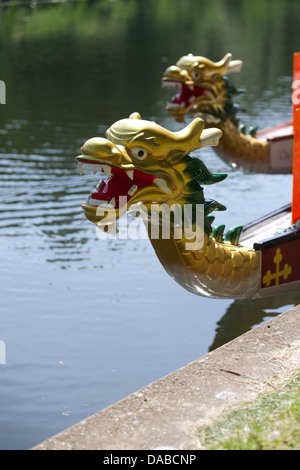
[166, 413]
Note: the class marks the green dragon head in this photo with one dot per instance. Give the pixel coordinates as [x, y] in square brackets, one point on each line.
[204, 89]
[147, 164]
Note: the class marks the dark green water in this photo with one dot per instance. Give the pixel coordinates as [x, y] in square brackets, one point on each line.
[85, 321]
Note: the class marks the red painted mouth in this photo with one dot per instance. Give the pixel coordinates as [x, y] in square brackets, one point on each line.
[186, 95]
[118, 188]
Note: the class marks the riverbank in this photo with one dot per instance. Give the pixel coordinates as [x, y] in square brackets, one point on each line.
[169, 413]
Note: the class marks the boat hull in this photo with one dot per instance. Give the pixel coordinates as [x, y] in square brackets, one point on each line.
[271, 151]
[281, 142]
[278, 243]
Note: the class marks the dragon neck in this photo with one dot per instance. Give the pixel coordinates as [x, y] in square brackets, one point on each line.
[199, 257]
[217, 269]
[235, 144]
[244, 149]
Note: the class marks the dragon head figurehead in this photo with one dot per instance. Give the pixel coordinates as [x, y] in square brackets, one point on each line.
[204, 89]
[146, 163]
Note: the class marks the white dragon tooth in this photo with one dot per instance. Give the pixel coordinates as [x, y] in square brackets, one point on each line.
[107, 170]
[161, 184]
[129, 173]
[99, 202]
[170, 84]
[175, 105]
[89, 167]
[112, 202]
[132, 190]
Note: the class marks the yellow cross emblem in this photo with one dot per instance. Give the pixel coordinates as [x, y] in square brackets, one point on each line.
[285, 272]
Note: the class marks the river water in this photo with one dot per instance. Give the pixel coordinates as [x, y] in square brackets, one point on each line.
[83, 321]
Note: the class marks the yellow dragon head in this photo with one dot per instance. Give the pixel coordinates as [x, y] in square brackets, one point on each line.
[204, 89]
[146, 163]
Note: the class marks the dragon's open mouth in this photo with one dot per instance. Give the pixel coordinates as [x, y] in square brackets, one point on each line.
[119, 186]
[187, 94]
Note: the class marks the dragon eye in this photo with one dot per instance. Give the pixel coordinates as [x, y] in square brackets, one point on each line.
[139, 153]
[195, 75]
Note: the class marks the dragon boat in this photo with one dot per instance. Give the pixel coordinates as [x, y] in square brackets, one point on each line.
[206, 91]
[146, 166]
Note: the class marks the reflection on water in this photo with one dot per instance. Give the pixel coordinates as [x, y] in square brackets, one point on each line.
[87, 321]
[242, 315]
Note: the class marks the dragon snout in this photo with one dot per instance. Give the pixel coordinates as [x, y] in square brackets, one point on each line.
[172, 69]
[101, 148]
[173, 72]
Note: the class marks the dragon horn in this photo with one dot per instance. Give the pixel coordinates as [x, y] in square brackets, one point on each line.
[194, 136]
[210, 137]
[135, 116]
[229, 65]
[234, 66]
